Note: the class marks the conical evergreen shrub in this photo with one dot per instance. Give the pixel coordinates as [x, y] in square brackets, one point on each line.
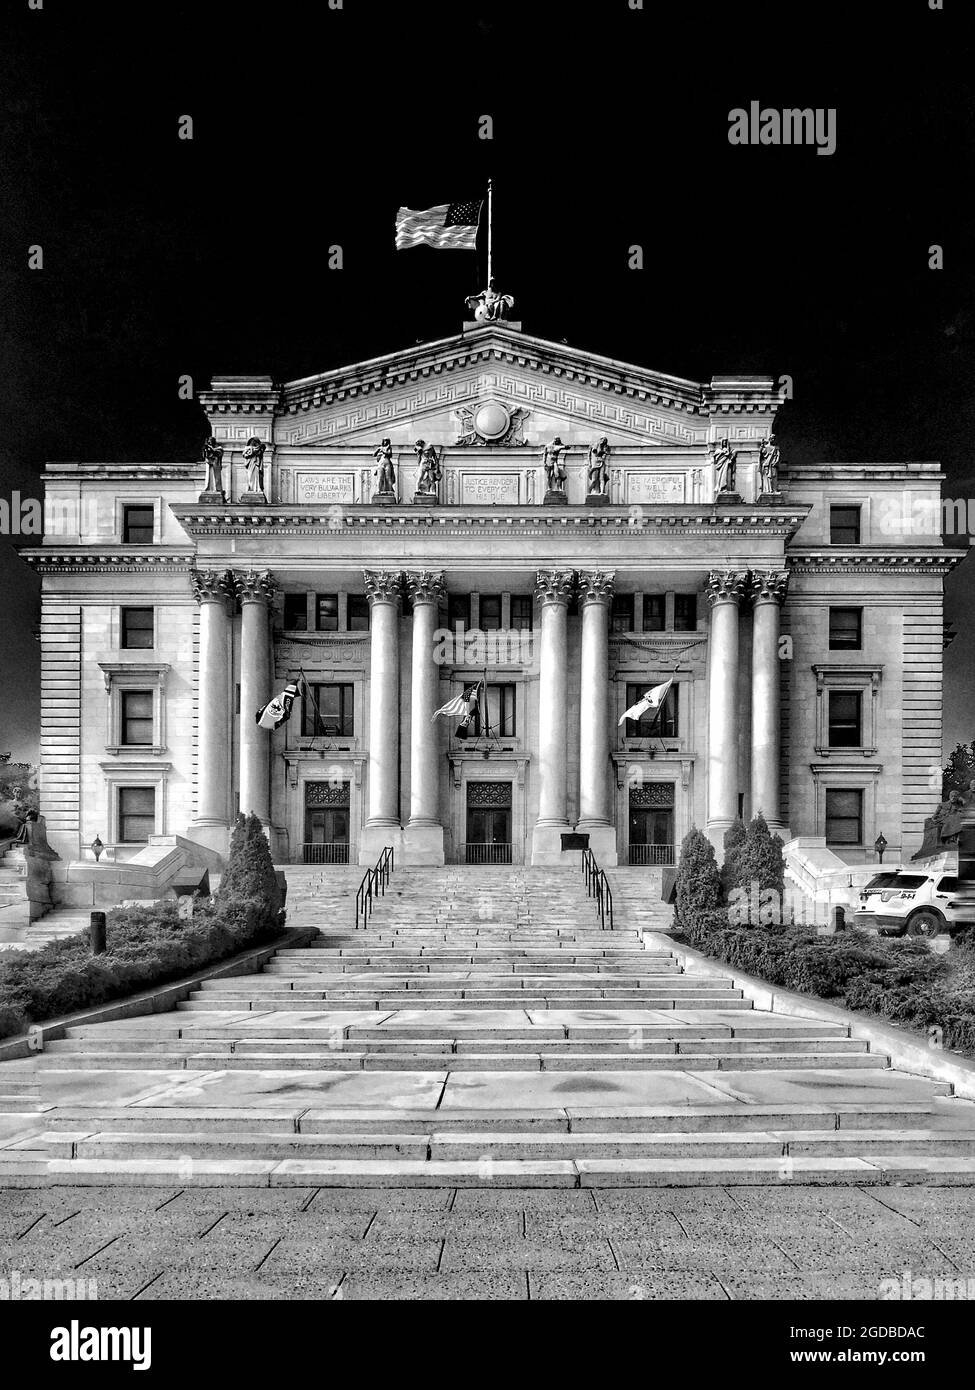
[250, 870]
[734, 838]
[698, 886]
[760, 866]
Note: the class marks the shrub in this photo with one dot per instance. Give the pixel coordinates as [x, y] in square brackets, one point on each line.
[734, 838]
[758, 860]
[250, 869]
[698, 886]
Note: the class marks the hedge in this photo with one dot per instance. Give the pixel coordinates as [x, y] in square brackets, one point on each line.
[147, 945]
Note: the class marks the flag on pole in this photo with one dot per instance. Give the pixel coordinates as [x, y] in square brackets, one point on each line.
[278, 710]
[448, 226]
[463, 707]
[652, 700]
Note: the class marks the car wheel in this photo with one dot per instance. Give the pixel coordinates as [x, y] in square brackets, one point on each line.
[925, 923]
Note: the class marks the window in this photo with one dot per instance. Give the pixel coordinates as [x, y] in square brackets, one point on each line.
[138, 627]
[334, 715]
[948, 884]
[844, 817]
[138, 525]
[845, 629]
[458, 610]
[521, 612]
[327, 613]
[654, 613]
[621, 618]
[685, 612]
[500, 711]
[358, 613]
[295, 613]
[653, 724]
[844, 525]
[136, 814]
[844, 719]
[490, 608]
[137, 718]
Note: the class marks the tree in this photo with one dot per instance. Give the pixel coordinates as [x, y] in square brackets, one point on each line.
[759, 870]
[734, 838]
[959, 770]
[250, 869]
[698, 886]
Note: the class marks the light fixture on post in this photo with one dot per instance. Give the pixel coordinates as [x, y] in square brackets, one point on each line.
[880, 844]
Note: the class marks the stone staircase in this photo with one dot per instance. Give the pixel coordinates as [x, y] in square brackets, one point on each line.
[481, 1030]
[636, 898]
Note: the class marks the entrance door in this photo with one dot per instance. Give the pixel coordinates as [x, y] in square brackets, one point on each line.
[326, 823]
[652, 823]
[488, 823]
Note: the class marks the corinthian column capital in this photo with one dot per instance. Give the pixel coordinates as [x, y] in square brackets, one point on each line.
[768, 586]
[725, 586]
[554, 586]
[383, 586]
[256, 587]
[425, 586]
[213, 586]
[596, 586]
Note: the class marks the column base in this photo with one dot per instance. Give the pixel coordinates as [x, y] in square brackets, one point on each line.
[373, 839]
[602, 842]
[214, 835]
[547, 846]
[423, 844]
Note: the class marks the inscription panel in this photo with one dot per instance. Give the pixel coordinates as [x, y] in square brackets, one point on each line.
[655, 487]
[324, 487]
[483, 489]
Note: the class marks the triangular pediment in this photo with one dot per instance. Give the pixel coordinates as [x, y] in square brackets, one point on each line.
[437, 389]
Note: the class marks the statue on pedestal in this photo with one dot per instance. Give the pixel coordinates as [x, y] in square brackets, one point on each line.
[598, 472]
[489, 304]
[384, 473]
[768, 468]
[725, 469]
[39, 856]
[555, 474]
[431, 471]
[213, 458]
[254, 460]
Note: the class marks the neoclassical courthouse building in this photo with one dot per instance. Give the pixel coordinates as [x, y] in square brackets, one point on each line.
[798, 609]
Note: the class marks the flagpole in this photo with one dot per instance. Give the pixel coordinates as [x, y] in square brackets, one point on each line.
[489, 231]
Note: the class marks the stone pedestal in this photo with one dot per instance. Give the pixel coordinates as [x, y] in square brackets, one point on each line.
[597, 499]
[383, 499]
[425, 499]
[554, 498]
[253, 499]
[212, 499]
[733, 499]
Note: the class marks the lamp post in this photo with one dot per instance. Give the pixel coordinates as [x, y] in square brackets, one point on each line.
[96, 848]
[880, 844]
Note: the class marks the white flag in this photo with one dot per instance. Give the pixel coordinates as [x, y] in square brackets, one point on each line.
[278, 710]
[653, 699]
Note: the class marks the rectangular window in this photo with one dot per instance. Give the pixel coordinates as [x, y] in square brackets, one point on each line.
[138, 627]
[138, 525]
[358, 613]
[844, 719]
[621, 618]
[136, 814]
[654, 612]
[521, 612]
[845, 629]
[844, 817]
[654, 724]
[458, 610]
[295, 613]
[844, 525]
[327, 613]
[137, 718]
[334, 716]
[490, 610]
[500, 711]
[685, 612]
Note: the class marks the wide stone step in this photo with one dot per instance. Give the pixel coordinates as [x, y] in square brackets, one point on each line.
[390, 1003]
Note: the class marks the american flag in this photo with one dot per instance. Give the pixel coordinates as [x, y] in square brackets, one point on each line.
[449, 226]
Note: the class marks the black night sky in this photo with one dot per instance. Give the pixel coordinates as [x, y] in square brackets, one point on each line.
[311, 125]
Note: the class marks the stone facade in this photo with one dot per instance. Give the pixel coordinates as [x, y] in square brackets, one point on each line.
[804, 645]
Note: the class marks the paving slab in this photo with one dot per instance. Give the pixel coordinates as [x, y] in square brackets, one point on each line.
[850, 1087]
[397, 1090]
[507, 1090]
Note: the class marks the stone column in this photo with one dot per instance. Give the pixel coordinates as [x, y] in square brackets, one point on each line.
[384, 590]
[768, 592]
[596, 591]
[214, 593]
[256, 593]
[724, 590]
[423, 839]
[553, 588]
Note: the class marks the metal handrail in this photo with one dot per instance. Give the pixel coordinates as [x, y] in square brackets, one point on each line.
[597, 886]
[373, 885]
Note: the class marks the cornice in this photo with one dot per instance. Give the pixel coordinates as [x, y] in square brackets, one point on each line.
[902, 561]
[88, 560]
